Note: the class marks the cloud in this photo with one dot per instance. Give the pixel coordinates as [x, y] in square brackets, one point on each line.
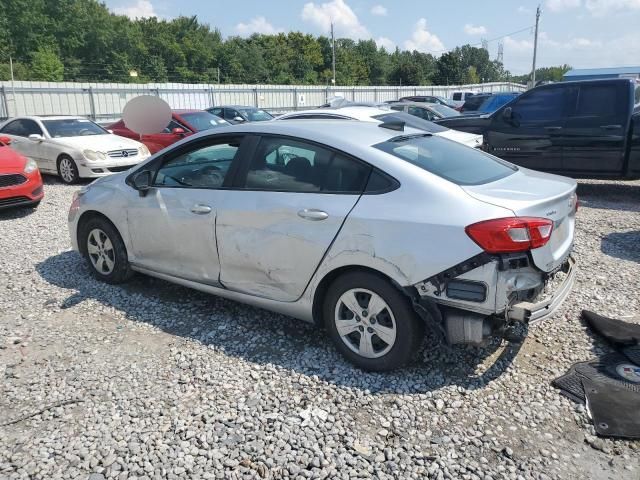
[256, 25]
[599, 8]
[579, 52]
[562, 5]
[388, 44]
[379, 10]
[141, 9]
[524, 10]
[471, 29]
[345, 21]
[423, 40]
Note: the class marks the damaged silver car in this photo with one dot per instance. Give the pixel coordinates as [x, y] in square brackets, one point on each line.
[376, 232]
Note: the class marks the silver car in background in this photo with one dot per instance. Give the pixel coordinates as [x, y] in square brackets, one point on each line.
[372, 231]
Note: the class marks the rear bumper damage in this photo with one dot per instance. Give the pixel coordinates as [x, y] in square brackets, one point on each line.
[485, 295]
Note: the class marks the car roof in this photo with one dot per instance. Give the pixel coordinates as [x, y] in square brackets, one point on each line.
[49, 117]
[180, 111]
[235, 106]
[416, 104]
[355, 112]
[345, 135]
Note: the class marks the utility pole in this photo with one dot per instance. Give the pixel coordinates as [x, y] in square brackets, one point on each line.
[535, 49]
[333, 57]
[13, 86]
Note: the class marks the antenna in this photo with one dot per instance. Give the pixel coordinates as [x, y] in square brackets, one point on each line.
[500, 52]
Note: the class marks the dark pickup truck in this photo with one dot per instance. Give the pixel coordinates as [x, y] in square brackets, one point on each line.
[582, 129]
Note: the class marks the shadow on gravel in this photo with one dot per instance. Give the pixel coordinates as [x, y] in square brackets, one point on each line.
[15, 213]
[610, 196]
[623, 245]
[263, 337]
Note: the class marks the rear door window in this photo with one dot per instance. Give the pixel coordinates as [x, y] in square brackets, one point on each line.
[599, 101]
[447, 159]
[287, 165]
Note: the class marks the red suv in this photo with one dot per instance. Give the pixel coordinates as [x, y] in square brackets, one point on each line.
[20, 180]
[182, 124]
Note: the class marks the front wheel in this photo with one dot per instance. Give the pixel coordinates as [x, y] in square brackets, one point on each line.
[68, 170]
[371, 322]
[105, 251]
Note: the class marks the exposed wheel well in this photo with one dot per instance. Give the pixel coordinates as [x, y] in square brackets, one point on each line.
[329, 278]
[84, 218]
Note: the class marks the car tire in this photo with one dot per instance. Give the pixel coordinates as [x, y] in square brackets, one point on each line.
[392, 334]
[35, 204]
[68, 170]
[104, 250]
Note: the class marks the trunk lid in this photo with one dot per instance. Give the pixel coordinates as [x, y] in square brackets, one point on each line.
[528, 193]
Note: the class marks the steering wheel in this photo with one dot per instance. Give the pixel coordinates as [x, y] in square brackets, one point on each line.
[85, 131]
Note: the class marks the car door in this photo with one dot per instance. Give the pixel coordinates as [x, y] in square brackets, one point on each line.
[595, 131]
[19, 131]
[172, 227]
[531, 135]
[157, 141]
[293, 199]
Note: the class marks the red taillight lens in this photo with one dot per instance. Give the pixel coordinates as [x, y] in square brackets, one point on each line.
[516, 234]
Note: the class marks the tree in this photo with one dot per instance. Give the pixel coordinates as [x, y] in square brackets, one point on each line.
[46, 65]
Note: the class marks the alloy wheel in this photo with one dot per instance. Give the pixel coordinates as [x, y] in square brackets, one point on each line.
[101, 252]
[66, 170]
[365, 323]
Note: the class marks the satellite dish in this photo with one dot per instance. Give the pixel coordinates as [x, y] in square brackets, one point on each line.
[146, 114]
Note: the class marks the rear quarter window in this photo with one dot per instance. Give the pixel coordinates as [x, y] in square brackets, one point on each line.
[447, 159]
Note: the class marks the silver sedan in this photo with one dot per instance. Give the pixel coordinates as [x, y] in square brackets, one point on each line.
[375, 232]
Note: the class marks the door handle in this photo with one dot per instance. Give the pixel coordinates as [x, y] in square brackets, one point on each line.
[313, 214]
[552, 129]
[610, 127]
[200, 209]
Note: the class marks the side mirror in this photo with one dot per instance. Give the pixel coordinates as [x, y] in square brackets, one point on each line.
[238, 119]
[141, 181]
[5, 140]
[178, 131]
[36, 137]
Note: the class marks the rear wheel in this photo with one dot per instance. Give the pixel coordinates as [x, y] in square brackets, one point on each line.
[371, 322]
[104, 250]
[68, 170]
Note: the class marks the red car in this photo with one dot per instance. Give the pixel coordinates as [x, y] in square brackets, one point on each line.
[20, 180]
[183, 123]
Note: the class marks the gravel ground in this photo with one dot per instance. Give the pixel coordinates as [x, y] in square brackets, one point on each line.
[151, 380]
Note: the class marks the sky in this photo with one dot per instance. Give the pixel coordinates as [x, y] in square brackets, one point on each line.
[581, 33]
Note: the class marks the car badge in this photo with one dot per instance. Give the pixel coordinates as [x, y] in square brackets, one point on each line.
[125, 153]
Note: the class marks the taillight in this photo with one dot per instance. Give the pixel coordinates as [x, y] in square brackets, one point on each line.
[515, 234]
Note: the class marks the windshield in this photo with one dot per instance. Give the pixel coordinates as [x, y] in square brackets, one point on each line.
[445, 111]
[203, 120]
[73, 127]
[411, 121]
[448, 159]
[257, 115]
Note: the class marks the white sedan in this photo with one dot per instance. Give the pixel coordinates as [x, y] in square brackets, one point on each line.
[72, 147]
[380, 114]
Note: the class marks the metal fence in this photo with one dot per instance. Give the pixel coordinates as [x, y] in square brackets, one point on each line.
[105, 101]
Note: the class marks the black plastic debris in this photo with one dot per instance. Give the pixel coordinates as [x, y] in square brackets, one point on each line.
[609, 386]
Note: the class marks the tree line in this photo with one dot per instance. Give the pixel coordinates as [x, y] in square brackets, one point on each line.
[81, 40]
